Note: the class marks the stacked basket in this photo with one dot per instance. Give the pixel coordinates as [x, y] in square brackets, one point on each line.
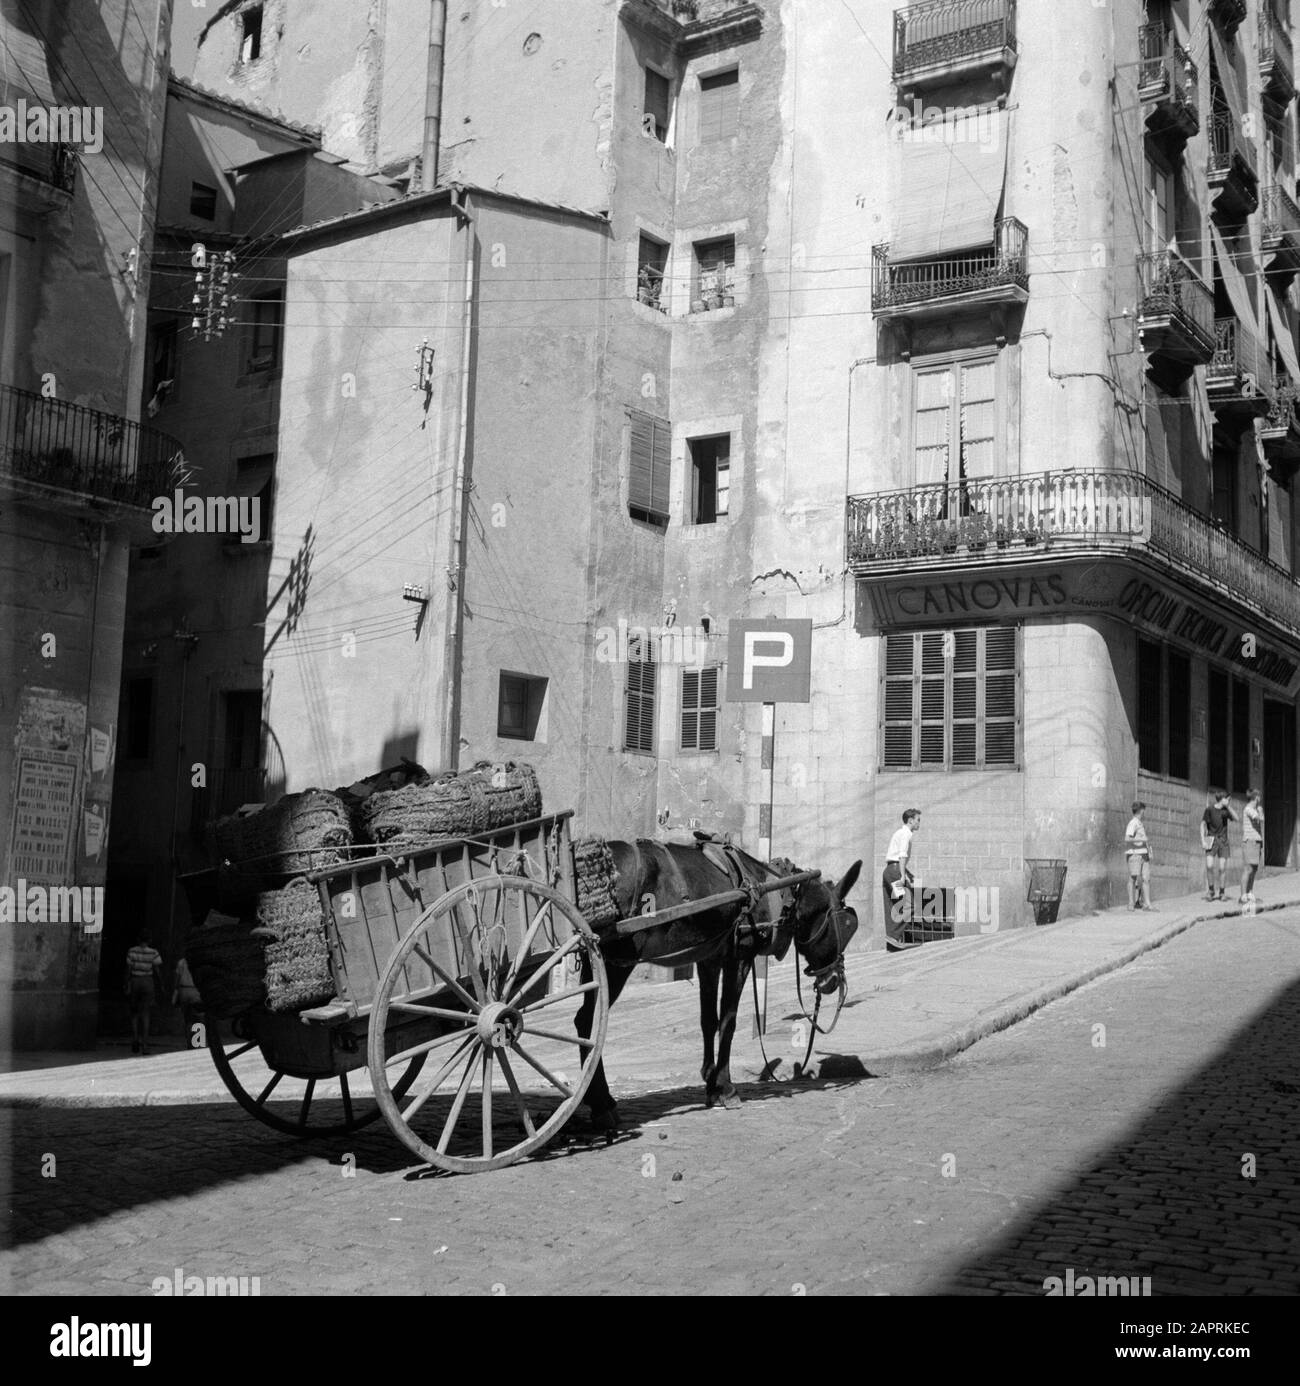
[593, 867]
[450, 805]
[303, 832]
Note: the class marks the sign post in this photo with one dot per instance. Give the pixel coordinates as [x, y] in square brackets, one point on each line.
[768, 661]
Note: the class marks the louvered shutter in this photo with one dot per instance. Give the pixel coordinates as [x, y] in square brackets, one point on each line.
[709, 709]
[965, 698]
[899, 654]
[1000, 695]
[641, 462]
[690, 709]
[933, 701]
[660, 469]
[719, 106]
[639, 730]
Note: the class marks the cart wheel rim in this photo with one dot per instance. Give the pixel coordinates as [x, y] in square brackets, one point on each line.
[358, 1111]
[479, 958]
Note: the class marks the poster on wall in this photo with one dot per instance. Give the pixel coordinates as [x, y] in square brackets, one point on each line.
[48, 752]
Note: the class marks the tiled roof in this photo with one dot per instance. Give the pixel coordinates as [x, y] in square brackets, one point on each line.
[184, 87]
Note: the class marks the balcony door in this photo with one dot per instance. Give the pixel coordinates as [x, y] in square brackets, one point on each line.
[955, 433]
[1159, 206]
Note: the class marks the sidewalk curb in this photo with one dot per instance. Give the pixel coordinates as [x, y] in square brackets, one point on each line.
[934, 1050]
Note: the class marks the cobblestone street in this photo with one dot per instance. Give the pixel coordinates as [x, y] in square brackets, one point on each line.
[1055, 1145]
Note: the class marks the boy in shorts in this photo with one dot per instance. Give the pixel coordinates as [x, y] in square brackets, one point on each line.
[143, 976]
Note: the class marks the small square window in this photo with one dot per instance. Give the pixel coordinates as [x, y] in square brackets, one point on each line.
[250, 42]
[710, 478]
[267, 319]
[203, 201]
[521, 699]
[715, 274]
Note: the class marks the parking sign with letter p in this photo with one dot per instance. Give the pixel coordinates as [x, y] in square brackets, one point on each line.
[769, 661]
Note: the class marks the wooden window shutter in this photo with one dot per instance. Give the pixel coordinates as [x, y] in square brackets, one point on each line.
[661, 462]
[898, 701]
[641, 462]
[719, 106]
[933, 720]
[639, 728]
[999, 695]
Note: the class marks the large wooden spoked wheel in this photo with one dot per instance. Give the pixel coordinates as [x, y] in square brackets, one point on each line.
[303, 1097]
[527, 961]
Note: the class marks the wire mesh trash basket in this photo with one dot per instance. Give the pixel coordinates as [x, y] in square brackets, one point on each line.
[1044, 886]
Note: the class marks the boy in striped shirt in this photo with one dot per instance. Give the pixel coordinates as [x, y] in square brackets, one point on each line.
[143, 971]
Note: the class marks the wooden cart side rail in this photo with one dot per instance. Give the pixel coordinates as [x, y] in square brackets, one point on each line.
[517, 830]
[709, 902]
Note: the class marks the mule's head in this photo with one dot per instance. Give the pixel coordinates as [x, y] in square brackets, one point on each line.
[822, 924]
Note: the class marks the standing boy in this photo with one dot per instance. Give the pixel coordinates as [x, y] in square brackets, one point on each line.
[895, 880]
[1214, 838]
[1137, 853]
[143, 975]
[1252, 844]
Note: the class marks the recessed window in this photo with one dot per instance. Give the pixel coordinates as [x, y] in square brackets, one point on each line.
[651, 265]
[1180, 715]
[719, 106]
[649, 467]
[1150, 706]
[951, 699]
[250, 42]
[715, 274]
[242, 724]
[162, 355]
[255, 482]
[203, 201]
[520, 701]
[267, 324]
[658, 105]
[710, 478]
[700, 709]
[639, 705]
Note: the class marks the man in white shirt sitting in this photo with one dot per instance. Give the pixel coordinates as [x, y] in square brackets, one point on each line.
[895, 881]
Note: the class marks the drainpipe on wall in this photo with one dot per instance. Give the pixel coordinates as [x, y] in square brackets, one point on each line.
[453, 662]
[433, 96]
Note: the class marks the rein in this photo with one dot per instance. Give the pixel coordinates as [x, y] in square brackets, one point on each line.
[820, 975]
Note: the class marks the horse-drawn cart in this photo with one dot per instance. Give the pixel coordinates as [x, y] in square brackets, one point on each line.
[460, 970]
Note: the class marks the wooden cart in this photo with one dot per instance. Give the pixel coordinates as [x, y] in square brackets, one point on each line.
[461, 965]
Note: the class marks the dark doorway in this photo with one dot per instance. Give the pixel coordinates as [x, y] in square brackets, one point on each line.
[1279, 782]
[126, 906]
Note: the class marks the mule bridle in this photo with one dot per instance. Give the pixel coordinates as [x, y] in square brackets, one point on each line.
[826, 980]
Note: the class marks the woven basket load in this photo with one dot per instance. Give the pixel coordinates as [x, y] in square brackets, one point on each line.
[301, 832]
[452, 805]
[292, 925]
[593, 864]
[227, 965]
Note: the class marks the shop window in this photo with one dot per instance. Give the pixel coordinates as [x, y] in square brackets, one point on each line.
[952, 700]
[1217, 730]
[1240, 736]
[639, 709]
[136, 718]
[700, 709]
[520, 700]
[1150, 695]
[710, 478]
[648, 468]
[203, 202]
[1180, 716]
[658, 105]
[651, 265]
[719, 106]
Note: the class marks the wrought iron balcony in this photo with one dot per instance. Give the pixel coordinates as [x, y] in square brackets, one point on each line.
[1276, 59]
[1237, 379]
[1175, 309]
[40, 174]
[996, 275]
[1230, 14]
[67, 448]
[1231, 169]
[1280, 218]
[1005, 519]
[1279, 431]
[1169, 82]
[943, 41]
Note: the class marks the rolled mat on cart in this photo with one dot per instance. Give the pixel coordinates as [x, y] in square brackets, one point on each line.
[450, 805]
[277, 956]
[594, 872]
[300, 832]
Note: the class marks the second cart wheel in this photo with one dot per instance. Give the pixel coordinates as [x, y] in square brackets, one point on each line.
[305, 1097]
[507, 964]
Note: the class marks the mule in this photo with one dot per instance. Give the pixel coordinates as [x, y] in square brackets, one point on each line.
[722, 943]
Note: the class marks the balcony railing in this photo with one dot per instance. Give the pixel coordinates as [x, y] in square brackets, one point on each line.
[942, 34]
[1004, 264]
[1276, 58]
[1169, 78]
[1229, 13]
[53, 164]
[1231, 167]
[1238, 369]
[973, 522]
[1171, 291]
[85, 451]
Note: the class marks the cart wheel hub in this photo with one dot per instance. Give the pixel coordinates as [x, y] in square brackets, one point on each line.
[499, 1025]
